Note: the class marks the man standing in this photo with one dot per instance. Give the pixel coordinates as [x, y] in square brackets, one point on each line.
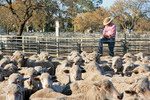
[108, 36]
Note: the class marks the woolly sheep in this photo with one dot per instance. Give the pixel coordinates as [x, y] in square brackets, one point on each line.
[91, 69]
[84, 54]
[14, 92]
[128, 67]
[117, 64]
[45, 55]
[94, 56]
[46, 93]
[42, 62]
[72, 55]
[4, 62]
[140, 55]
[46, 80]
[65, 64]
[142, 69]
[103, 90]
[16, 78]
[76, 73]
[129, 57]
[137, 90]
[30, 83]
[18, 58]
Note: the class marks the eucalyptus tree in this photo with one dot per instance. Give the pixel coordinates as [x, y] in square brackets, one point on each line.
[129, 12]
[22, 10]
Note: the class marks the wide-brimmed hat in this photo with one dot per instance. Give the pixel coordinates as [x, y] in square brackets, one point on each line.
[107, 20]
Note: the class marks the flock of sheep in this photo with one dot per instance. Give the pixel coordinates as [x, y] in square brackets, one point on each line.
[79, 76]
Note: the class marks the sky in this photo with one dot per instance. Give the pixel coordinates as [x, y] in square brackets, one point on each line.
[107, 3]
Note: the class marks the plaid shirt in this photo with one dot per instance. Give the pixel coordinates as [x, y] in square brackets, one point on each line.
[110, 30]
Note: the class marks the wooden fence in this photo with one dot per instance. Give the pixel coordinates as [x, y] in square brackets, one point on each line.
[61, 47]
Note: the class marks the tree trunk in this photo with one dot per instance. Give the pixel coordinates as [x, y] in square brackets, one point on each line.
[20, 30]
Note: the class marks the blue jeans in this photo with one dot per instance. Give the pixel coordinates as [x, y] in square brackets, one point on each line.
[111, 44]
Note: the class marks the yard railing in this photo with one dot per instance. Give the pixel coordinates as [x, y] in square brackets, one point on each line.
[61, 47]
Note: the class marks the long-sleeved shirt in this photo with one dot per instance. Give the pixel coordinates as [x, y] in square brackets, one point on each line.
[110, 30]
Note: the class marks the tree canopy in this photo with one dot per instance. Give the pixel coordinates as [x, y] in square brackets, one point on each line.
[79, 15]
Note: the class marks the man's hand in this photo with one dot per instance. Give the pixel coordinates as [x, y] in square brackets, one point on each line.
[106, 36]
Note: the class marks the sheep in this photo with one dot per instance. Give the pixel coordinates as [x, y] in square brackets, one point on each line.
[9, 69]
[78, 87]
[84, 54]
[117, 64]
[128, 67]
[91, 69]
[72, 55]
[46, 93]
[4, 61]
[16, 78]
[142, 69]
[14, 92]
[103, 90]
[63, 78]
[146, 59]
[30, 83]
[137, 90]
[94, 56]
[46, 80]
[19, 58]
[100, 90]
[78, 60]
[40, 70]
[76, 73]
[140, 55]
[42, 62]
[129, 57]
[65, 64]
[45, 55]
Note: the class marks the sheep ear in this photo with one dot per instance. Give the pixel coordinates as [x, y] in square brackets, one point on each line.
[36, 78]
[66, 71]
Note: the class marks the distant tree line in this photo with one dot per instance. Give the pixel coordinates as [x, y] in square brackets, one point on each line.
[73, 15]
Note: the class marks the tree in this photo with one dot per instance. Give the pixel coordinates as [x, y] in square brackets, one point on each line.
[89, 20]
[128, 12]
[75, 7]
[22, 10]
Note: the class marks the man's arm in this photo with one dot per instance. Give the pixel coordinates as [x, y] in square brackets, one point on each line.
[113, 31]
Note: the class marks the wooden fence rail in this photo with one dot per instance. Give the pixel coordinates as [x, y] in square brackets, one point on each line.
[61, 47]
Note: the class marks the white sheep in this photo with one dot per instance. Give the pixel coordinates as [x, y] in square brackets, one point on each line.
[14, 92]
[46, 80]
[72, 55]
[46, 93]
[91, 69]
[19, 58]
[16, 78]
[117, 64]
[4, 61]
